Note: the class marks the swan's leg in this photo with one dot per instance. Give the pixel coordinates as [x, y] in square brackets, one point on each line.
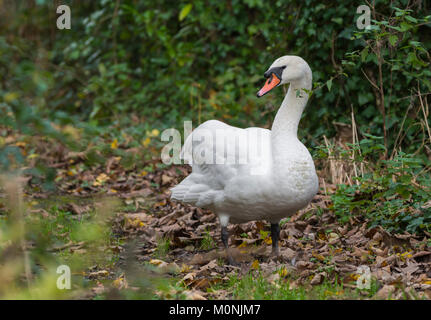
[225, 237]
[224, 220]
[275, 236]
[225, 240]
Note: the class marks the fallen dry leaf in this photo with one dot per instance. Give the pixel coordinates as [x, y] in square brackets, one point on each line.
[317, 279]
[194, 295]
[385, 292]
[98, 274]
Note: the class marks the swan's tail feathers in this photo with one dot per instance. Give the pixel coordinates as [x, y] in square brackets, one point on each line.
[195, 194]
[188, 193]
[180, 190]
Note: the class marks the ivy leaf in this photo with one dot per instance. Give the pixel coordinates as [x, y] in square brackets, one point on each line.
[185, 11]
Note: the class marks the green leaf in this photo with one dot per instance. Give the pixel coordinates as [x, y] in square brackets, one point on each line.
[405, 26]
[364, 54]
[329, 84]
[102, 68]
[337, 20]
[185, 11]
[393, 40]
[411, 19]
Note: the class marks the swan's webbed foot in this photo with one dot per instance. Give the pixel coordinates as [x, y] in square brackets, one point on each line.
[275, 236]
[225, 240]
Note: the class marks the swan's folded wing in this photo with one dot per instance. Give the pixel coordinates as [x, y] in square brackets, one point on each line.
[218, 152]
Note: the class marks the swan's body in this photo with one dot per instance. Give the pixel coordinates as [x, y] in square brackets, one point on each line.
[270, 178]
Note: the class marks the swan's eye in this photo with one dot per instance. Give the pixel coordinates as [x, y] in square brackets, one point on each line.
[283, 67]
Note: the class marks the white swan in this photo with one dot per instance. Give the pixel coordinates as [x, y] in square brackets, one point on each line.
[254, 173]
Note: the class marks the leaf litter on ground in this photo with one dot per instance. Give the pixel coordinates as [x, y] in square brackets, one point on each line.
[314, 246]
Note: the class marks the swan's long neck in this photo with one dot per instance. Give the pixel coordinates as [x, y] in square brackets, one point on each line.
[286, 121]
[285, 126]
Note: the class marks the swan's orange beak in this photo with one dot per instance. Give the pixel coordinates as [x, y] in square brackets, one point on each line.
[270, 84]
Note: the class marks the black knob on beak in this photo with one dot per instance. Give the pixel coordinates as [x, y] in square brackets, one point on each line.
[278, 71]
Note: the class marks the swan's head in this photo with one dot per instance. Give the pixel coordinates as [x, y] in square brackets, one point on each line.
[286, 69]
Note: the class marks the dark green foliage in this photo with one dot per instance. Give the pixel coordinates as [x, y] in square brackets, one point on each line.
[171, 61]
[393, 193]
[209, 63]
